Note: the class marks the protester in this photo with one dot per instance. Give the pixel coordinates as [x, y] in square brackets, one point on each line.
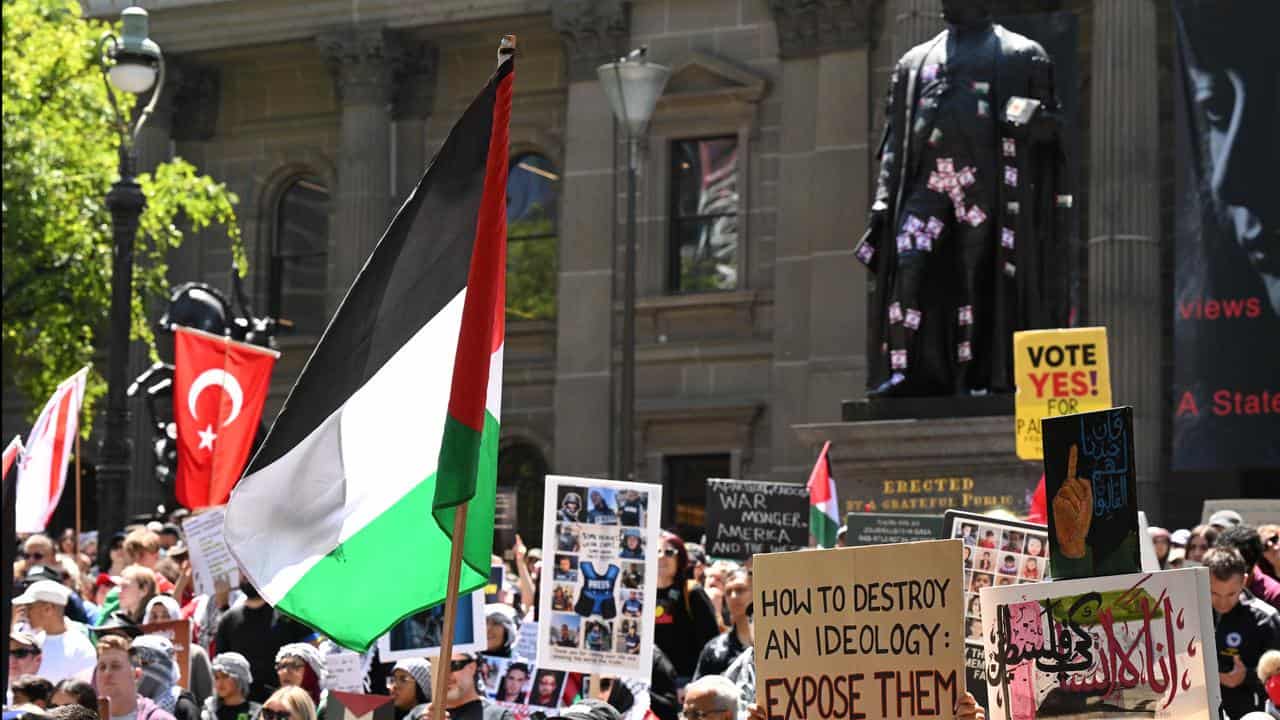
[288, 703]
[76, 611]
[161, 608]
[71, 712]
[75, 692]
[410, 685]
[143, 548]
[117, 558]
[1244, 627]
[462, 697]
[154, 654]
[32, 690]
[65, 652]
[1199, 541]
[232, 678]
[300, 664]
[1224, 519]
[24, 654]
[1269, 676]
[117, 679]
[685, 620]
[721, 651]
[137, 587]
[256, 631]
[1248, 543]
[1160, 541]
[712, 697]
[1270, 561]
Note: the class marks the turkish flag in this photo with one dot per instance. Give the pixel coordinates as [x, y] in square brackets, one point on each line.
[219, 387]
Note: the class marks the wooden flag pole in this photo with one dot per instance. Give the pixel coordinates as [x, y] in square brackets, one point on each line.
[78, 526]
[450, 613]
[506, 48]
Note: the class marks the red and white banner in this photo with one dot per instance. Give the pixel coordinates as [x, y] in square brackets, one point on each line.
[42, 469]
[11, 453]
[219, 387]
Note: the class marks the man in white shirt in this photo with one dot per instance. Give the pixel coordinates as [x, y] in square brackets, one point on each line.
[66, 651]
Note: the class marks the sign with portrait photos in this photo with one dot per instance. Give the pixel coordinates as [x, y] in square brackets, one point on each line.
[597, 603]
[522, 688]
[997, 553]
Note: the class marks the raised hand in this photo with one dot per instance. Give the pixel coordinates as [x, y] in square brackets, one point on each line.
[1072, 511]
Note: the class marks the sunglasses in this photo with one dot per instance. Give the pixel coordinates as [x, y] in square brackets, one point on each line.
[269, 714]
[34, 556]
[288, 665]
[458, 665]
[24, 653]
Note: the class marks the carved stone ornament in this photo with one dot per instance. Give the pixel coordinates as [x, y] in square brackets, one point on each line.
[812, 27]
[594, 32]
[363, 61]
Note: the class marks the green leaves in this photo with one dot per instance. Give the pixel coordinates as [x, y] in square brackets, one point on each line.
[60, 159]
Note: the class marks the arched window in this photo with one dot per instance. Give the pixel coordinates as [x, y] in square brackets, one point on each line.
[533, 193]
[296, 290]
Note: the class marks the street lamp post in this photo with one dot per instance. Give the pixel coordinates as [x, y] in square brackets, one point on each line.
[130, 63]
[633, 86]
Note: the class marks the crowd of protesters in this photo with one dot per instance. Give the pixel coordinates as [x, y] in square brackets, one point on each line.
[79, 636]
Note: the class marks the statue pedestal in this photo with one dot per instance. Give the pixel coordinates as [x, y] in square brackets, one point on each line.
[927, 455]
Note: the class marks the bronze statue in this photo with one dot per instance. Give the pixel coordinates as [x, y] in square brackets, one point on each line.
[966, 230]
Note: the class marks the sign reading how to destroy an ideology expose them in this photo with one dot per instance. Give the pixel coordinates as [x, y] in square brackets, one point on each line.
[745, 518]
[1057, 372]
[871, 632]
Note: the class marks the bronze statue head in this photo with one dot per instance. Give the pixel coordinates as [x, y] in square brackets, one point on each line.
[966, 12]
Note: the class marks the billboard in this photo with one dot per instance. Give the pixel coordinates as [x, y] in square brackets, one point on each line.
[1226, 322]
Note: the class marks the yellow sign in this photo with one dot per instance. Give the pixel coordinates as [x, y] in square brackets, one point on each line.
[1058, 372]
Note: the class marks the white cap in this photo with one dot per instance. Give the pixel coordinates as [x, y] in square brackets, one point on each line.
[44, 591]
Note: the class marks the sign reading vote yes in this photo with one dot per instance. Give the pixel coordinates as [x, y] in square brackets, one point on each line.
[870, 632]
[1057, 372]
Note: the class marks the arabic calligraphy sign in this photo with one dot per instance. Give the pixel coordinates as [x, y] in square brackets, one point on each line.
[1101, 647]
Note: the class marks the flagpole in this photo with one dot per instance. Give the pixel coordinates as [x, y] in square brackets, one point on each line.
[78, 525]
[450, 613]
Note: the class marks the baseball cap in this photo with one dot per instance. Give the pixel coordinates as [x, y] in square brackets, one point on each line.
[1180, 537]
[115, 625]
[44, 591]
[1225, 519]
[179, 549]
[22, 637]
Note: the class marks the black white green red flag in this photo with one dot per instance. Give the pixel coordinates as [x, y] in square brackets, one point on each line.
[344, 517]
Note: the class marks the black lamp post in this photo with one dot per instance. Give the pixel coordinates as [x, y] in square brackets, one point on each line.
[633, 86]
[130, 63]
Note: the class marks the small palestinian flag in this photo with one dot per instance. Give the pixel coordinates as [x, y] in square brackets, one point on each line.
[344, 517]
[824, 513]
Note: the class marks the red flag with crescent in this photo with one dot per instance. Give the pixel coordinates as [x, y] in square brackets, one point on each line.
[219, 387]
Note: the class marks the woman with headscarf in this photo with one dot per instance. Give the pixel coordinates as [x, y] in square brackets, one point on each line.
[685, 620]
[500, 626]
[154, 655]
[232, 680]
[410, 685]
[163, 608]
[302, 665]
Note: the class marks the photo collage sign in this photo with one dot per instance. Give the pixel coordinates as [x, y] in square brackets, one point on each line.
[600, 545]
[996, 553]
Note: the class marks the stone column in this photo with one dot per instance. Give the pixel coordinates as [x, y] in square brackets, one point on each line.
[593, 33]
[819, 336]
[414, 96]
[1124, 222]
[914, 22]
[363, 61]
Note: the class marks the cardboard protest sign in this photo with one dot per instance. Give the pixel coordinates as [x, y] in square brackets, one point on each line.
[874, 632]
[597, 603]
[419, 634]
[745, 518]
[1254, 511]
[1146, 546]
[344, 670]
[211, 560]
[1057, 372]
[1092, 489]
[357, 706]
[887, 528]
[520, 687]
[1138, 645]
[179, 633]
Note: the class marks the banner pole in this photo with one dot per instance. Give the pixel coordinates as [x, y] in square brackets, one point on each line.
[441, 688]
[78, 506]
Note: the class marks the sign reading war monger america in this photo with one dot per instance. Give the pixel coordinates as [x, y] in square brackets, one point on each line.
[871, 632]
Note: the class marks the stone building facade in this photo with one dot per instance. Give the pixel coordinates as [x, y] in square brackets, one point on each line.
[321, 115]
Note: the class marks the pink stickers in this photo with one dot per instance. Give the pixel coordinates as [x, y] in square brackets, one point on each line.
[1009, 269]
[1010, 176]
[1006, 238]
[964, 315]
[898, 359]
[913, 224]
[976, 216]
[933, 227]
[904, 242]
[1009, 146]
[912, 320]
[865, 252]
[895, 312]
[924, 242]
[964, 352]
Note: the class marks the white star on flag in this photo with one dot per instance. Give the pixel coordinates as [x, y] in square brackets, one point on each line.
[207, 436]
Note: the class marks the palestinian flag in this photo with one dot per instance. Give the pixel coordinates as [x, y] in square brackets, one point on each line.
[343, 519]
[824, 509]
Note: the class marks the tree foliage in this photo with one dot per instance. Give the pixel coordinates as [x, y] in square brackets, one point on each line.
[60, 159]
